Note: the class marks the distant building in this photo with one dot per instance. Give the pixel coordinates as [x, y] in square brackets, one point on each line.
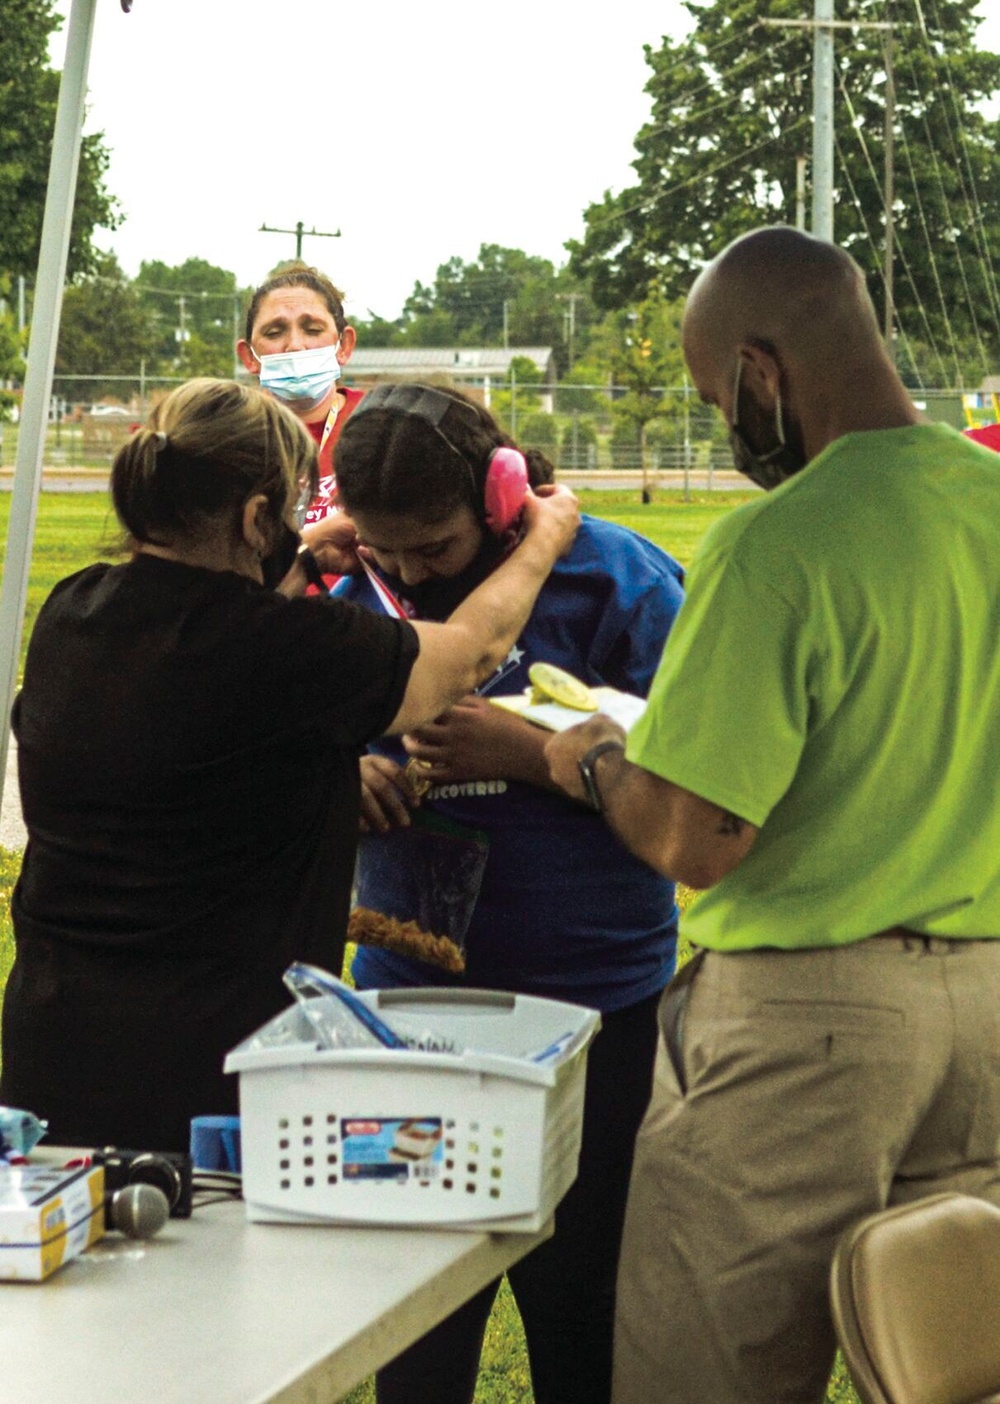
[982, 406]
[482, 369]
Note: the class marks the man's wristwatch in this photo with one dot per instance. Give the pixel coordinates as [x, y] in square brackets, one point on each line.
[588, 774]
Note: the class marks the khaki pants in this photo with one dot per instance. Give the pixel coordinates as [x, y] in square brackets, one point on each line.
[819, 1086]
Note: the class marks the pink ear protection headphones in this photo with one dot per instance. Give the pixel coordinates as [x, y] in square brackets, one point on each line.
[501, 482]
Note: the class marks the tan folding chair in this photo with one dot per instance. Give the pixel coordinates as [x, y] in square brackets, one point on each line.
[915, 1293]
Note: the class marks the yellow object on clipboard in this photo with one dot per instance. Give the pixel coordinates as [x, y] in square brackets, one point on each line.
[556, 700]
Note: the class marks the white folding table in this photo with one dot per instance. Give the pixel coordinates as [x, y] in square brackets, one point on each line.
[216, 1310]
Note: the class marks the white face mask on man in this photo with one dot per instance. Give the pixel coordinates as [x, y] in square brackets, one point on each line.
[300, 378]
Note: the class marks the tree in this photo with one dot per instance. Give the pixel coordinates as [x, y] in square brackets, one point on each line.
[540, 431]
[104, 330]
[195, 315]
[376, 332]
[641, 347]
[579, 444]
[505, 297]
[11, 341]
[517, 397]
[29, 91]
[480, 296]
[585, 374]
[432, 327]
[731, 112]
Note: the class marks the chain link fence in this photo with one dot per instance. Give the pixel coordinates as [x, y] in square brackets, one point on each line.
[581, 429]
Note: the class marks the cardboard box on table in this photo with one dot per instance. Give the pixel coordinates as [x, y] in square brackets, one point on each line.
[47, 1216]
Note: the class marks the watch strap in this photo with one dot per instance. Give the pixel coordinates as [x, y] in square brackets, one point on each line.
[310, 566]
[588, 775]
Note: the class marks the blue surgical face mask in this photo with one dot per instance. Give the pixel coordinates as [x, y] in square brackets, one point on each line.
[300, 378]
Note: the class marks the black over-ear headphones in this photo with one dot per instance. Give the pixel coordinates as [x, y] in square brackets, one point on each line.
[501, 482]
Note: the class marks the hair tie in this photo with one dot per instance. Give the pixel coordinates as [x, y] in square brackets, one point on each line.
[159, 441]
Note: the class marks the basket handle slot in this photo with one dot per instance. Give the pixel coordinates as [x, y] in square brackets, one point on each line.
[492, 999]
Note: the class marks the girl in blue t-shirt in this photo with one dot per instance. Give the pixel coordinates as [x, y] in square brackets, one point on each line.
[531, 886]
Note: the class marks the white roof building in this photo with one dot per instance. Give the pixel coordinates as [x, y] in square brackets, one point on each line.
[471, 367]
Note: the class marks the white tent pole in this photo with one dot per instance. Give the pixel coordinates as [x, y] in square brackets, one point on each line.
[52, 257]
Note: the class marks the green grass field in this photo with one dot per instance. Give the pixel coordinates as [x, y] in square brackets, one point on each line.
[75, 529]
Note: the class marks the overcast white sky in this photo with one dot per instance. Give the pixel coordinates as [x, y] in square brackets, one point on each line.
[421, 131]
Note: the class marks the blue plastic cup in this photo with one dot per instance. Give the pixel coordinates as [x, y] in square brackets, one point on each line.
[215, 1143]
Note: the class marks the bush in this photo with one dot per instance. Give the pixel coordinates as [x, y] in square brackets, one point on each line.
[626, 444]
[579, 444]
[539, 431]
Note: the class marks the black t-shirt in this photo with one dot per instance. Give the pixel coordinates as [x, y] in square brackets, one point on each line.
[188, 751]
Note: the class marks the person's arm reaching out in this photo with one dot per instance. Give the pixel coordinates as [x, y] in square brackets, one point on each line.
[459, 654]
[331, 543]
[678, 833]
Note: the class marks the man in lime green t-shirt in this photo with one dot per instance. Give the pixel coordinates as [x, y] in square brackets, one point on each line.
[819, 753]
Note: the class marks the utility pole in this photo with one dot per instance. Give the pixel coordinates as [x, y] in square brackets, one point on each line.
[505, 302]
[300, 232]
[800, 193]
[570, 324]
[181, 298]
[824, 24]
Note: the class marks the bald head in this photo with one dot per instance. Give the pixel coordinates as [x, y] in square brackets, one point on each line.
[796, 293]
[804, 302]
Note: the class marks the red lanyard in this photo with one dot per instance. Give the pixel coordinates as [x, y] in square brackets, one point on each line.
[385, 596]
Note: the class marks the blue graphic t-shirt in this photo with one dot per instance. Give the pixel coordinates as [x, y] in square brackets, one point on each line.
[563, 909]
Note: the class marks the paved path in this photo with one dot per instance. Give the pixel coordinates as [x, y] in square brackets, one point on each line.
[12, 833]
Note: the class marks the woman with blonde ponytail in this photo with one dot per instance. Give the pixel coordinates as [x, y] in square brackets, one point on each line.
[188, 739]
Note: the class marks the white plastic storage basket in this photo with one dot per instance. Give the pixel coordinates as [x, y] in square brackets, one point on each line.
[485, 1138]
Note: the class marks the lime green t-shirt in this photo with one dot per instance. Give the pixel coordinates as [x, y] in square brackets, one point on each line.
[834, 678]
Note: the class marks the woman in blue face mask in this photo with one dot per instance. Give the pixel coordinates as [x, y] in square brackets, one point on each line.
[297, 342]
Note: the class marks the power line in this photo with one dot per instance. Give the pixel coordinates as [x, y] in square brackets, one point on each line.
[935, 274]
[598, 222]
[946, 205]
[684, 99]
[858, 128]
[977, 221]
[645, 205]
[880, 267]
[183, 292]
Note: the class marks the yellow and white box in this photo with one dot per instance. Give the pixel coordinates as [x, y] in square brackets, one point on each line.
[47, 1216]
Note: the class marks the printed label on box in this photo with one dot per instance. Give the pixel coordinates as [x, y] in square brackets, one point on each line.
[391, 1148]
[47, 1216]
